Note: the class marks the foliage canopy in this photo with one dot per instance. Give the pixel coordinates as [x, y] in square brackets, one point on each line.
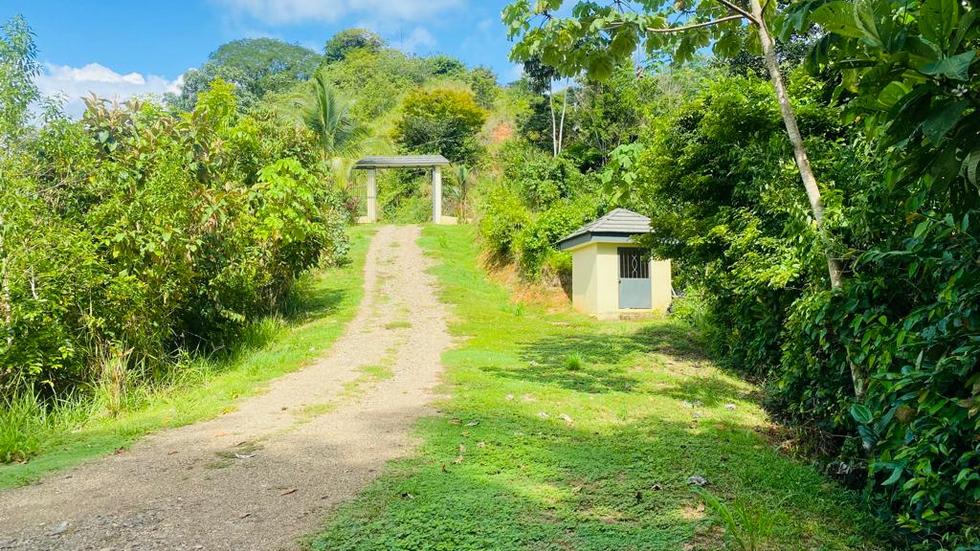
[255, 66]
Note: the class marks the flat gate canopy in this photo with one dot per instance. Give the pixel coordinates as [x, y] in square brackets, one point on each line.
[372, 164]
[402, 161]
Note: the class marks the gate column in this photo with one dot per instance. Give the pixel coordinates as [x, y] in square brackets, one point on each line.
[436, 194]
[372, 195]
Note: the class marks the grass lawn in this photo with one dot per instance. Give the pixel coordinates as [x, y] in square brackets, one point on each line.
[323, 302]
[561, 432]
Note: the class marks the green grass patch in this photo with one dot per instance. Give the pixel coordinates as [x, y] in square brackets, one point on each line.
[195, 389]
[401, 324]
[563, 432]
[310, 411]
[370, 374]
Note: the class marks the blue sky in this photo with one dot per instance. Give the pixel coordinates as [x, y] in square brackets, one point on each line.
[120, 48]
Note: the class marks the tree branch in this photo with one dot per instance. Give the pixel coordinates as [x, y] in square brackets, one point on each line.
[735, 8]
[698, 25]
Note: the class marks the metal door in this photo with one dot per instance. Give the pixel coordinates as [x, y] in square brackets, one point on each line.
[634, 279]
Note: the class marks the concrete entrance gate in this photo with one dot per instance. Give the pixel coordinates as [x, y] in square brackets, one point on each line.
[372, 164]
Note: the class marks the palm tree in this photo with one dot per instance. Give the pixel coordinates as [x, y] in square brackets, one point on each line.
[463, 176]
[330, 120]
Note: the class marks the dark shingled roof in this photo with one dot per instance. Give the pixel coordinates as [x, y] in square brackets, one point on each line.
[402, 161]
[619, 223]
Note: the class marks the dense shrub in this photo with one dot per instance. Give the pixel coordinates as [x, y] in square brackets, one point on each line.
[503, 215]
[442, 121]
[136, 231]
[721, 198]
[910, 319]
[540, 178]
[445, 65]
[535, 242]
[539, 200]
[713, 177]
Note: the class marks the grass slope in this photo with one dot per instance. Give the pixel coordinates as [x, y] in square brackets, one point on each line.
[567, 433]
[322, 304]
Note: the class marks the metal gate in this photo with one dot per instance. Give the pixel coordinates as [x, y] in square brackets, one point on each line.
[634, 279]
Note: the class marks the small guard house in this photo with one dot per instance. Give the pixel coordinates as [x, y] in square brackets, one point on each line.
[611, 275]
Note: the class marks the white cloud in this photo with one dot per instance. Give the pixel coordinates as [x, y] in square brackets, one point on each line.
[74, 83]
[416, 42]
[284, 12]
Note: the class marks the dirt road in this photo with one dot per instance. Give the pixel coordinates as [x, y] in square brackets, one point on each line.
[265, 475]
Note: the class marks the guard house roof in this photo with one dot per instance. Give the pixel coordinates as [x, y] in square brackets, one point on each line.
[401, 161]
[618, 226]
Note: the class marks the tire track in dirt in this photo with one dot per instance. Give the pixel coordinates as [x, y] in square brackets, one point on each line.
[266, 474]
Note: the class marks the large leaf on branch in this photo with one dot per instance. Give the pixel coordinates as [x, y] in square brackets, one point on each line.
[838, 18]
[956, 67]
[943, 120]
[938, 20]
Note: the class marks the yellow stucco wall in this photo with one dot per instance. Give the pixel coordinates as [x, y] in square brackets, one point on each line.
[607, 270]
[595, 280]
[661, 289]
[584, 279]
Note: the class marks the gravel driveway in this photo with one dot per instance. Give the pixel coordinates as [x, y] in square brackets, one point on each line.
[266, 474]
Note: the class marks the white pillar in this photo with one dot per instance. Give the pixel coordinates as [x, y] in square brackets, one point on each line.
[436, 194]
[372, 195]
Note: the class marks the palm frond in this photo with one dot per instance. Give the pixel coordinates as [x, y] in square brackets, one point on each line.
[337, 132]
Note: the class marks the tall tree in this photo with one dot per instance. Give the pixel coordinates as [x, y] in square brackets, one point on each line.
[255, 66]
[483, 82]
[18, 68]
[541, 77]
[348, 40]
[444, 121]
[598, 36]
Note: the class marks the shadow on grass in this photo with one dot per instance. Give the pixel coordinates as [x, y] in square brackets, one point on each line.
[309, 300]
[520, 482]
[589, 380]
[672, 339]
[710, 391]
[602, 355]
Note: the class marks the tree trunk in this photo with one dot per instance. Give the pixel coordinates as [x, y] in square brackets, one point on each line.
[803, 162]
[554, 127]
[6, 307]
[561, 126]
[799, 149]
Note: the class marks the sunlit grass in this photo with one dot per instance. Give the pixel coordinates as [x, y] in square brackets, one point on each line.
[46, 439]
[562, 432]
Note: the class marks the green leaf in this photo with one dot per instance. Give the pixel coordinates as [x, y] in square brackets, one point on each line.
[943, 120]
[838, 18]
[896, 474]
[892, 94]
[601, 67]
[623, 44]
[970, 164]
[956, 67]
[861, 413]
[865, 19]
[937, 20]
[728, 45]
